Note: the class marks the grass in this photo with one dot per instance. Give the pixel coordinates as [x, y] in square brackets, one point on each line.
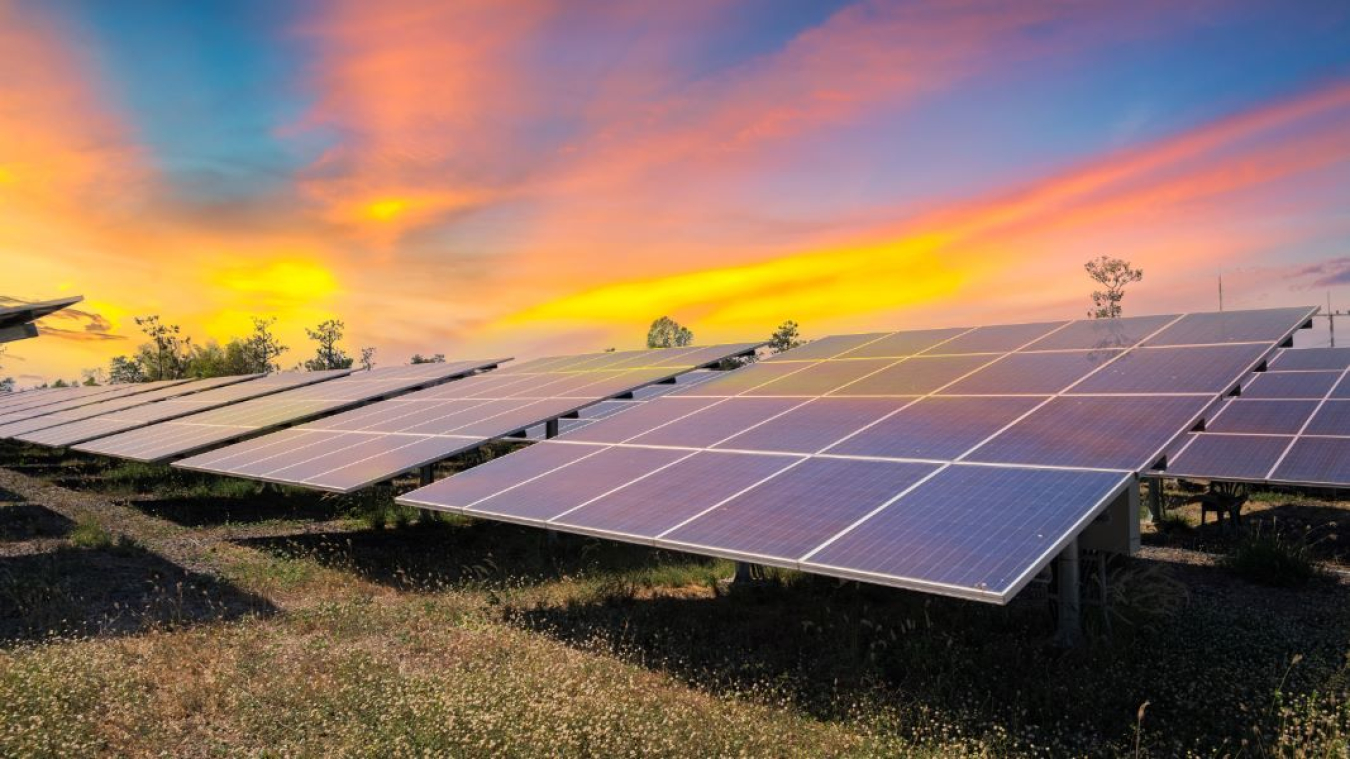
[1270, 558]
[446, 636]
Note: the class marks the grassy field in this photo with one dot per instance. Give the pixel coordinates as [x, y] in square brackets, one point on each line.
[149, 612]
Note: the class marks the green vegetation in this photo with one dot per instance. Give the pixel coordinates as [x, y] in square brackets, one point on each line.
[1113, 274]
[1270, 558]
[269, 622]
[668, 333]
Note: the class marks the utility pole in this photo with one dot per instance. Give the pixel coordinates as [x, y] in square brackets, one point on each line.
[1220, 292]
[1331, 315]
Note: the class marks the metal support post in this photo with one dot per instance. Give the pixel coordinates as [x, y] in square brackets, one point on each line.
[1155, 500]
[1070, 629]
[551, 429]
[425, 474]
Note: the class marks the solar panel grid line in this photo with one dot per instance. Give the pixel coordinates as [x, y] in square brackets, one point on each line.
[18, 422]
[1330, 393]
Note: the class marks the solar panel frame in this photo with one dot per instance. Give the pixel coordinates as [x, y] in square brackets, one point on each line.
[1111, 483]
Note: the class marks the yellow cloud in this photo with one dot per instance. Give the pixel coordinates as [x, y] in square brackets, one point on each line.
[288, 280]
[385, 210]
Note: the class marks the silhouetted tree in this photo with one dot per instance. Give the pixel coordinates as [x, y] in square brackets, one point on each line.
[168, 354]
[123, 371]
[328, 354]
[262, 348]
[786, 337]
[367, 358]
[667, 333]
[418, 358]
[1113, 274]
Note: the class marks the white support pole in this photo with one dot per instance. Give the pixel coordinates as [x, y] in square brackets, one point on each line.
[1070, 632]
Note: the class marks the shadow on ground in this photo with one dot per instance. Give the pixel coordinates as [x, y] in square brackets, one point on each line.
[211, 511]
[437, 553]
[117, 590]
[27, 521]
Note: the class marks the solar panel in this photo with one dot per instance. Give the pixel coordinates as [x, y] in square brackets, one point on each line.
[960, 468]
[203, 430]
[12, 422]
[1287, 428]
[39, 430]
[125, 419]
[359, 448]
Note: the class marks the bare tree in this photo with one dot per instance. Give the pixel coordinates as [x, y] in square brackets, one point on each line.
[1113, 274]
[367, 358]
[668, 333]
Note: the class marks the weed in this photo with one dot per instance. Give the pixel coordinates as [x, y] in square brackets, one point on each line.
[1267, 557]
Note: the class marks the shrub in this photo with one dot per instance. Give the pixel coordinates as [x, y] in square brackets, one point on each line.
[1268, 558]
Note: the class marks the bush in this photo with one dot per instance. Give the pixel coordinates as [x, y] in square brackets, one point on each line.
[1268, 558]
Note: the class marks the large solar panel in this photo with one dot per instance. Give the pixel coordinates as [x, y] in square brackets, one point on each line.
[26, 430]
[208, 429]
[364, 446]
[953, 461]
[114, 420]
[1290, 426]
[78, 398]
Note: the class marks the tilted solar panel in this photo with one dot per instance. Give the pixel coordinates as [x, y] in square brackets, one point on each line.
[12, 422]
[1290, 426]
[35, 430]
[960, 467]
[364, 446]
[209, 429]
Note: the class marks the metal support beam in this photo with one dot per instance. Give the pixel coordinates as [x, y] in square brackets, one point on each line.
[1069, 591]
[1155, 500]
[745, 574]
[551, 429]
[425, 475]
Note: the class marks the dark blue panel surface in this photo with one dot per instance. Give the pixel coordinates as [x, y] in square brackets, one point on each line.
[998, 339]
[643, 418]
[1257, 417]
[1332, 419]
[827, 347]
[654, 504]
[1102, 334]
[906, 343]
[1218, 457]
[552, 494]
[1109, 433]
[822, 378]
[936, 428]
[799, 509]
[1290, 385]
[1317, 461]
[1031, 373]
[471, 485]
[983, 528]
[815, 425]
[747, 378]
[1265, 326]
[714, 424]
[1208, 369]
[916, 376]
[1312, 359]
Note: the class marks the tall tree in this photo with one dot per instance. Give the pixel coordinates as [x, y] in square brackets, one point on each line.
[123, 371]
[1113, 274]
[328, 355]
[437, 358]
[168, 354]
[786, 337]
[668, 333]
[262, 347]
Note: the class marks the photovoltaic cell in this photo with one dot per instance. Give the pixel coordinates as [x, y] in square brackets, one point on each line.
[1333, 418]
[1102, 334]
[640, 420]
[819, 379]
[1257, 417]
[1097, 432]
[1312, 359]
[1311, 385]
[998, 339]
[796, 511]
[1263, 326]
[1203, 370]
[972, 527]
[709, 426]
[551, 494]
[702, 480]
[741, 380]
[1316, 461]
[1228, 457]
[903, 344]
[1031, 373]
[916, 376]
[828, 347]
[814, 425]
[498, 476]
[936, 428]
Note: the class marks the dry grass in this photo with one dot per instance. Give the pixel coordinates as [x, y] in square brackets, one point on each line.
[200, 635]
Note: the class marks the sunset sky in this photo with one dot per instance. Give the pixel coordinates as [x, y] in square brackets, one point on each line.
[518, 177]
